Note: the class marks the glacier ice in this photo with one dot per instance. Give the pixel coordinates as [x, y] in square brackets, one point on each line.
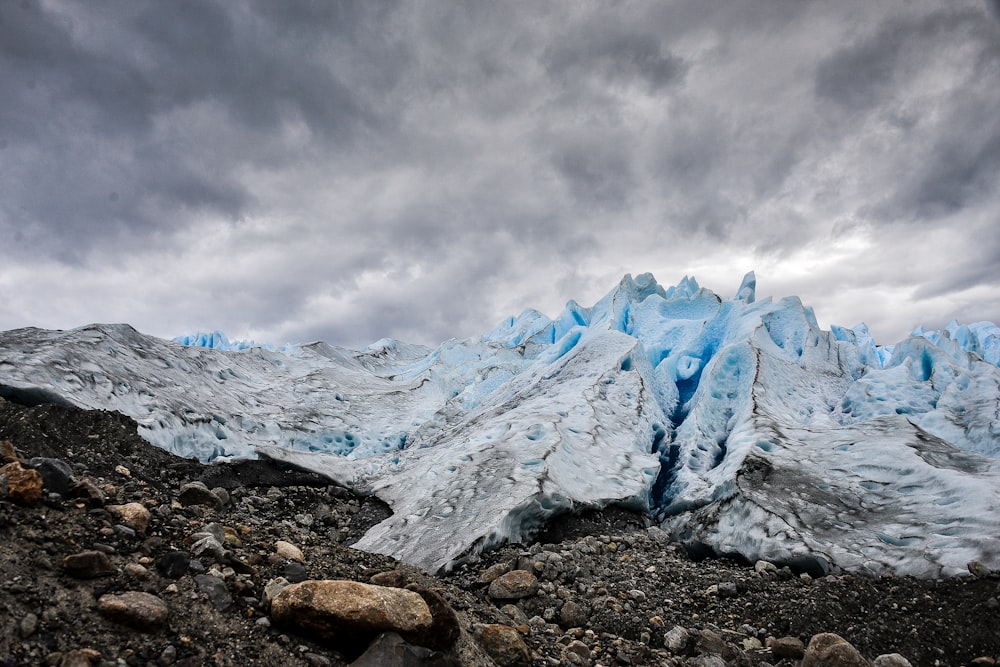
[737, 423]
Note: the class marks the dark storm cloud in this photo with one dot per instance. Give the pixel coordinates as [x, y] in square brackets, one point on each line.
[354, 170]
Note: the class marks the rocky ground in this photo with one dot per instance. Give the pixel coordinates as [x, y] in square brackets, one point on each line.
[113, 552]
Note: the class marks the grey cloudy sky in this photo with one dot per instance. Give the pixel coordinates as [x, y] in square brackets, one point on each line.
[292, 171]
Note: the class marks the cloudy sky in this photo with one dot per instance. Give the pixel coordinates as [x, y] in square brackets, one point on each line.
[294, 170]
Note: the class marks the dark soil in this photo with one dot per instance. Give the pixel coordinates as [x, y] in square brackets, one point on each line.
[632, 585]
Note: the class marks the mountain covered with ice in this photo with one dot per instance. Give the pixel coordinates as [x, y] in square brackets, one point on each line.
[737, 423]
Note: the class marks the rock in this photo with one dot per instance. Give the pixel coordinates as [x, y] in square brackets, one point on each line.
[514, 585]
[677, 639]
[786, 647]
[88, 565]
[57, 475]
[215, 589]
[978, 570]
[391, 649]
[576, 653]
[87, 491]
[273, 587]
[294, 572]
[28, 625]
[445, 629]
[7, 452]
[81, 657]
[289, 551]
[196, 493]
[24, 485]
[173, 564]
[573, 615]
[492, 572]
[708, 660]
[329, 607]
[142, 611]
[168, 655]
[829, 650]
[133, 515]
[765, 569]
[504, 644]
[710, 642]
[891, 660]
[727, 589]
[983, 661]
[221, 494]
[392, 578]
[136, 570]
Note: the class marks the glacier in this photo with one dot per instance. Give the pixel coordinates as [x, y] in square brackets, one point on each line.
[738, 424]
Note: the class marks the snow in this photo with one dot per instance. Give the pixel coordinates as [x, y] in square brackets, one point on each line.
[738, 423]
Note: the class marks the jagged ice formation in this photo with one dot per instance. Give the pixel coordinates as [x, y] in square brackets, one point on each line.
[739, 424]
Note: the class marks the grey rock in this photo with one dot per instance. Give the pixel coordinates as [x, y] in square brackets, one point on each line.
[57, 475]
[196, 493]
[216, 591]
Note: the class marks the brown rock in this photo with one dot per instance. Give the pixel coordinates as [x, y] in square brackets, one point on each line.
[514, 585]
[504, 644]
[786, 647]
[24, 485]
[80, 657]
[829, 650]
[573, 615]
[142, 611]
[7, 452]
[289, 551]
[88, 565]
[335, 606]
[492, 572]
[133, 515]
[89, 492]
[392, 578]
[891, 660]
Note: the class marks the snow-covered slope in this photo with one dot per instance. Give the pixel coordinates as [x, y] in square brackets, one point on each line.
[739, 424]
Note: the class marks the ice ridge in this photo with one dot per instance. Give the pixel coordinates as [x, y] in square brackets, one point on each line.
[737, 423]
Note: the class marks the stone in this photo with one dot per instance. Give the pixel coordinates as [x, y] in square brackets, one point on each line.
[445, 629]
[573, 615]
[393, 578]
[391, 649]
[273, 587]
[677, 639]
[196, 493]
[215, 589]
[727, 589]
[576, 653]
[708, 660]
[294, 572]
[766, 569]
[514, 585]
[710, 642]
[88, 491]
[28, 625]
[7, 452]
[289, 551]
[786, 647]
[88, 565]
[983, 661]
[830, 650]
[133, 515]
[57, 475]
[488, 575]
[329, 607]
[173, 564]
[505, 645]
[24, 485]
[978, 570]
[80, 657]
[891, 660]
[141, 611]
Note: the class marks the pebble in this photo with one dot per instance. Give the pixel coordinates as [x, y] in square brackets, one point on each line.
[142, 611]
[173, 564]
[133, 515]
[196, 493]
[505, 645]
[786, 647]
[289, 551]
[830, 650]
[514, 585]
[28, 625]
[88, 565]
[891, 660]
[573, 615]
[57, 475]
[216, 590]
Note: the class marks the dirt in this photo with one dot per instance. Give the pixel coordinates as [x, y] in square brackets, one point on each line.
[628, 583]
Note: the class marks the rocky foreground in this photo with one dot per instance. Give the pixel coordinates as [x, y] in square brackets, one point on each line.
[118, 553]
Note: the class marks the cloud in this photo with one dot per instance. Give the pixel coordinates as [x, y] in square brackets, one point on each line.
[354, 170]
